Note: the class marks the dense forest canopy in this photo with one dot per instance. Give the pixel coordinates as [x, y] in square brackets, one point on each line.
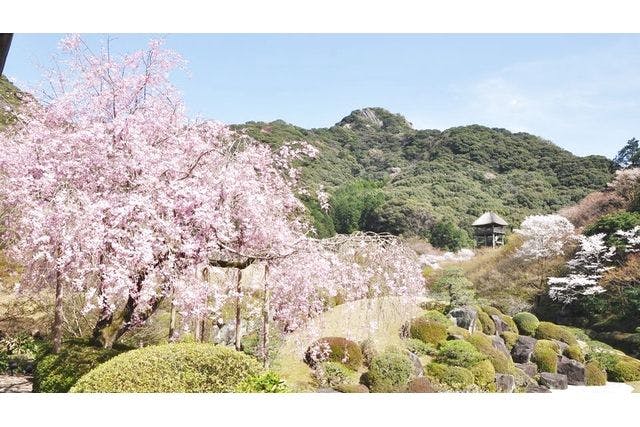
[414, 179]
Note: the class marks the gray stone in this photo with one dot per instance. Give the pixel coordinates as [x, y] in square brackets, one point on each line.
[554, 381]
[505, 383]
[531, 369]
[501, 326]
[465, 317]
[418, 370]
[498, 344]
[573, 369]
[523, 348]
[522, 379]
[535, 388]
[562, 345]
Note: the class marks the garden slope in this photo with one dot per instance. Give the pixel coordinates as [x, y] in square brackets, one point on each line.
[455, 174]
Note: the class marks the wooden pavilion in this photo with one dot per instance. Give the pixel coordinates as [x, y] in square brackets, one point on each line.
[489, 230]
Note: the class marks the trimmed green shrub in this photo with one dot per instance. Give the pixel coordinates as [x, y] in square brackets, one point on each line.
[340, 350]
[510, 323]
[390, 372]
[627, 369]
[459, 353]
[456, 378]
[180, 367]
[420, 348]
[421, 385]
[268, 382]
[438, 317]
[491, 311]
[595, 374]
[501, 362]
[457, 331]
[510, 339]
[484, 375]
[527, 323]
[427, 331]
[574, 352]
[57, 373]
[333, 374]
[551, 331]
[368, 350]
[488, 327]
[606, 359]
[545, 356]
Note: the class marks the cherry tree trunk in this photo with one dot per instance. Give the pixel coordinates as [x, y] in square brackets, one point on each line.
[56, 330]
[172, 321]
[238, 342]
[265, 320]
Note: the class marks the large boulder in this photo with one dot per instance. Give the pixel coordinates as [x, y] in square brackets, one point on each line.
[561, 345]
[574, 370]
[418, 370]
[554, 381]
[531, 369]
[465, 317]
[498, 343]
[523, 349]
[505, 383]
[501, 326]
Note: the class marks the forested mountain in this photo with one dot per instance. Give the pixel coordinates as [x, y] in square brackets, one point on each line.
[385, 175]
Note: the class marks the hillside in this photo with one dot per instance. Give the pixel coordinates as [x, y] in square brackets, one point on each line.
[427, 176]
[9, 99]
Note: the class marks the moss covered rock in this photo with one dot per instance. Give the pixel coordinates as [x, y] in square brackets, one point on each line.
[437, 317]
[169, 368]
[510, 339]
[595, 374]
[551, 331]
[457, 333]
[486, 323]
[574, 352]
[421, 385]
[501, 362]
[491, 311]
[545, 356]
[428, 331]
[459, 353]
[527, 323]
[511, 324]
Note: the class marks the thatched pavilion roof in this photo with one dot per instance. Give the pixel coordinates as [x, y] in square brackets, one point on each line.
[489, 218]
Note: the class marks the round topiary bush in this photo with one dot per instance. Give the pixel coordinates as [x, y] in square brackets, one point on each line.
[627, 369]
[436, 316]
[428, 331]
[574, 352]
[335, 349]
[545, 356]
[487, 324]
[421, 385]
[510, 339]
[459, 353]
[390, 372]
[455, 378]
[420, 348]
[333, 374]
[500, 361]
[456, 332]
[57, 373]
[527, 323]
[180, 367]
[595, 374]
[511, 325]
[551, 331]
[484, 375]
[491, 311]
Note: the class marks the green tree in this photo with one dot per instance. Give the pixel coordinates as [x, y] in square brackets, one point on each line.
[629, 155]
[447, 235]
[456, 286]
[353, 204]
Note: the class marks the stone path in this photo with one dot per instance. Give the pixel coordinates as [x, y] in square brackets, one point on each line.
[15, 384]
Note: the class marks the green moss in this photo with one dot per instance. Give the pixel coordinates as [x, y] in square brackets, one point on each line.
[180, 367]
[511, 325]
[459, 353]
[574, 352]
[545, 356]
[510, 339]
[627, 369]
[438, 317]
[487, 324]
[491, 311]
[595, 374]
[551, 331]
[457, 331]
[484, 375]
[420, 348]
[390, 372]
[341, 350]
[334, 374]
[428, 331]
[454, 377]
[57, 373]
[527, 323]
[501, 363]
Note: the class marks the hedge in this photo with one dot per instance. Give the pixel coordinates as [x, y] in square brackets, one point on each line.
[389, 372]
[341, 350]
[545, 356]
[454, 377]
[574, 352]
[459, 353]
[484, 375]
[527, 323]
[551, 331]
[595, 374]
[180, 367]
[427, 331]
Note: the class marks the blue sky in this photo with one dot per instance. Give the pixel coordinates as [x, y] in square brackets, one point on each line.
[580, 91]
